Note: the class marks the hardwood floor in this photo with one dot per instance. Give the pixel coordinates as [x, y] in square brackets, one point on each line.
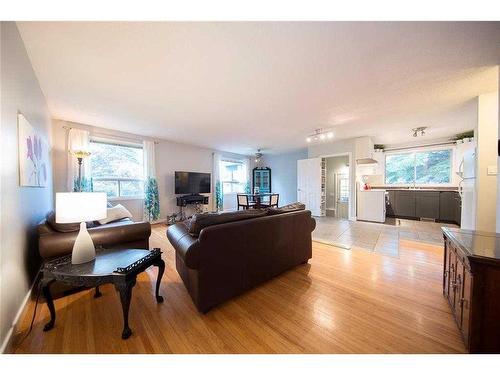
[343, 301]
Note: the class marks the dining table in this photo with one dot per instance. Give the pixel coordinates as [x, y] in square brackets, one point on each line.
[258, 198]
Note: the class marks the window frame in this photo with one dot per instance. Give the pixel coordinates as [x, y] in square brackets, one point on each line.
[233, 182]
[119, 180]
[421, 150]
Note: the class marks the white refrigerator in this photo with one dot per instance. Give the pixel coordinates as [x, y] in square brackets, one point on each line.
[466, 189]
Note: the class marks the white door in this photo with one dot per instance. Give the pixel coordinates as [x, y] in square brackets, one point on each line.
[302, 166]
[309, 184]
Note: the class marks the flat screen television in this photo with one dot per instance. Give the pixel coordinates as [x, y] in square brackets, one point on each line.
[192, 183]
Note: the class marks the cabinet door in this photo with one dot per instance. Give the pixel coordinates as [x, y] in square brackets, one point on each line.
[446, 273]
[466, 304]
[447, 204]
[405, 203]
[452, 273]
[427, 204]
[458, 288]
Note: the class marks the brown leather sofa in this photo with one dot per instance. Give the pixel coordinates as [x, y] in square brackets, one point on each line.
[229, 258]
[121, 234]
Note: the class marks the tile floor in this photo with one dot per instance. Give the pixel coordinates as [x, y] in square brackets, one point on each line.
[376, 237]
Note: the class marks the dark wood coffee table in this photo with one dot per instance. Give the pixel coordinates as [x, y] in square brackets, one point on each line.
[118, 267]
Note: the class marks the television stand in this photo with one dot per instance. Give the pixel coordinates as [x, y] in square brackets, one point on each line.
[191, 199]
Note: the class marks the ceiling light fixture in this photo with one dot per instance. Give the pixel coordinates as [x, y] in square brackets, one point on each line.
[258, 157]
[419, 131]
[319, 135]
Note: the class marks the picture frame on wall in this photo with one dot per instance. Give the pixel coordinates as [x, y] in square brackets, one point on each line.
[33, 155]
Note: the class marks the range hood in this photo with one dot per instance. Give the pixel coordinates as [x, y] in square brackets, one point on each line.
[365, 161]
[364, 151]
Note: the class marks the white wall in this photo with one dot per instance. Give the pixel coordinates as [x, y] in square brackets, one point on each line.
[284, 174]
[22, 207]
[486, 184]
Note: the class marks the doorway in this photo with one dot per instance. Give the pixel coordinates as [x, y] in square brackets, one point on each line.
[337, 186]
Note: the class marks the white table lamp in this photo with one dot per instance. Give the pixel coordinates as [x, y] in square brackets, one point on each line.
[79, 208]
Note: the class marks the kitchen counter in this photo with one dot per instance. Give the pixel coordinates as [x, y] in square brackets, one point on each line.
[450, 188]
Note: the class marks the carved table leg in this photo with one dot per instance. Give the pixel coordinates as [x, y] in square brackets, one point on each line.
[97, 293]
[125, 290]
[161, 268]
[50, 303]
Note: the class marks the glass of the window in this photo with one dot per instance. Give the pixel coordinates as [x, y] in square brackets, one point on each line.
[400, 169]
[109, 187]
[117, 169]
[433, 167]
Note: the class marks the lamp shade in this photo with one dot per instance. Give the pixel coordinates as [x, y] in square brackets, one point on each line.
[79, 207]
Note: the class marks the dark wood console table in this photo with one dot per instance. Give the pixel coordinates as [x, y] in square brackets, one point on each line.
[119, 267]
[471, 284]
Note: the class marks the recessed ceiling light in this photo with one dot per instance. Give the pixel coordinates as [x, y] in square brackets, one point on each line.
[308, 139]
[329, 135]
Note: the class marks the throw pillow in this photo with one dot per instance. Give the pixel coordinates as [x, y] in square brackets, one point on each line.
[115, 213]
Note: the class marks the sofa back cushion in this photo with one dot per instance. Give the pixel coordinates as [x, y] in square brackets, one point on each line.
[206, 219]
[297, 206]
[64, 228]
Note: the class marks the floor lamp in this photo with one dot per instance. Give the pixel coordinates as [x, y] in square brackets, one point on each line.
[80, 155]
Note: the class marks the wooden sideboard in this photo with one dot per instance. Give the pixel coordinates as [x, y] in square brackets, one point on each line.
[471, 284]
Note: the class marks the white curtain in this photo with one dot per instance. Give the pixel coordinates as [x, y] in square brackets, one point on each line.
[216, 183]
[78, 140]
[149, 159]
[248, 174]
[151, 196]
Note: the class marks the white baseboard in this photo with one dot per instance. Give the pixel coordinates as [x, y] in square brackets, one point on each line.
[8, 337]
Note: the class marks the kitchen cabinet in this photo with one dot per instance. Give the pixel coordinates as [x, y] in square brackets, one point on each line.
[471, 275]
[457, 205]
[438, 205]
[447, 209]
[427, 204]
[405, 203]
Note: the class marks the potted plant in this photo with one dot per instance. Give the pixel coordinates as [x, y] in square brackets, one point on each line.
[464, 137]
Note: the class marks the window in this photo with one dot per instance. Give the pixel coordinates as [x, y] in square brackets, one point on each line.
[117, 169]
[233, 176]
[419, 168]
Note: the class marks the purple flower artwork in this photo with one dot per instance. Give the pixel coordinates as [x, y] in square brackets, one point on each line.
[33, 155]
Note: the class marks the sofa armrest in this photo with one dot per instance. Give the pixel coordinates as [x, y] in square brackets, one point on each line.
[185, 244]
[52, 244]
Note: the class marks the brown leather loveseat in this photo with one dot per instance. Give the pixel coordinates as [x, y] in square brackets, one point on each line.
[245, 249]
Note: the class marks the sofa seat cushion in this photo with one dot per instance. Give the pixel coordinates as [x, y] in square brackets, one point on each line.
[292, 207]
[206, 219]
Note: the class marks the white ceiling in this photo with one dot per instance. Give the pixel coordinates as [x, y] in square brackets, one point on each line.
[242, 86]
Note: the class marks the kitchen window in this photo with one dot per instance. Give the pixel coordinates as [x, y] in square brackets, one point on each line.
[117, 169]
[233, 176]
[419, 168]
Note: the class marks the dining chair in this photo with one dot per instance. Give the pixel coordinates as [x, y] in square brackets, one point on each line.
[273, 201]
[244, 202]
